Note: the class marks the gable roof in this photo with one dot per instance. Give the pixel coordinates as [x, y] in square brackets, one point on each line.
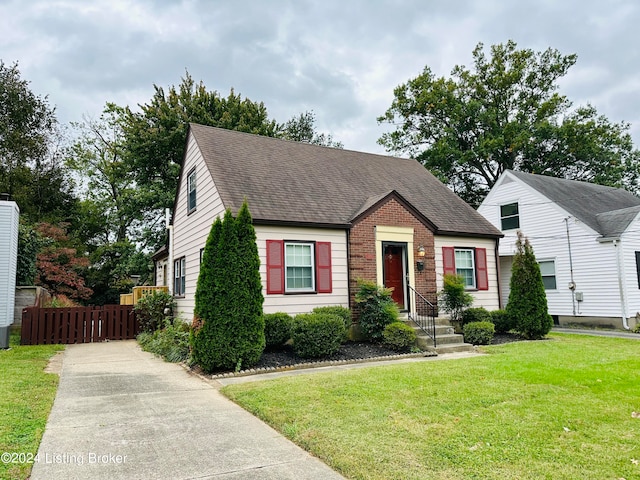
[296, 183]
[607, 210]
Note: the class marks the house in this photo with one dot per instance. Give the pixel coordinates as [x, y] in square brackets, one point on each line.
[326, 217]
[586, 238]
[161, 267]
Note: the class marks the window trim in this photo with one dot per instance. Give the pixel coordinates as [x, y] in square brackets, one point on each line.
[193, 174]
[509, 217]
[312, 248]
[555, 273]
[473, 265]
[179, 277]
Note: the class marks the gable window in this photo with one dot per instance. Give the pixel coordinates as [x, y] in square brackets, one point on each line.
[179, 277]
[469, 263]
[548, 272]
[191, 191]
[299, 263]
[298, 267]
[509, 216]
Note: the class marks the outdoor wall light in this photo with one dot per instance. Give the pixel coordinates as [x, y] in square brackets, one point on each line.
[421, 252]
[420, 262]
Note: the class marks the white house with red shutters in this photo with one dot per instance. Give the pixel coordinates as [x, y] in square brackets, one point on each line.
[326, 217]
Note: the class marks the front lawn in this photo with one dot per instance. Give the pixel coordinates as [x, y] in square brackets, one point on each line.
[559, 408]
[26, 397]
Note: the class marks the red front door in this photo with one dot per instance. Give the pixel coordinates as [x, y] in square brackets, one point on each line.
[394, 272]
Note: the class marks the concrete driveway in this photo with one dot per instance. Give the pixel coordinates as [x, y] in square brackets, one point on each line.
[122, 413]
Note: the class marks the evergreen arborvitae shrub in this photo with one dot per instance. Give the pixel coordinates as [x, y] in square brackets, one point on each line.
[453, 297]
[317, 334]
[502, 321]
[527, 304]
[277, 328]
[399, 336]
[342, 312]
[232, 333]
[477, 314]
[377, 308]
[478, 333]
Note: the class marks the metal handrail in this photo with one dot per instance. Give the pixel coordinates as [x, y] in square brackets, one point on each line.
[423, 313]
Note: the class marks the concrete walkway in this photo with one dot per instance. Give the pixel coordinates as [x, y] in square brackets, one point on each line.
[121, 413]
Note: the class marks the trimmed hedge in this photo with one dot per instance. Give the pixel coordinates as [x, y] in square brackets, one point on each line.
[475, 314]
[277, 328]
[342, 312]
[399, 337]
[316, 334]
[478, 333]
[502, 321]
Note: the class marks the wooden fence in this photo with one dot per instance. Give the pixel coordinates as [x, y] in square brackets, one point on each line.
[138, 293]
[78, 324]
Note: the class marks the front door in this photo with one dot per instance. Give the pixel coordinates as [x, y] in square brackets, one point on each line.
[394, 271]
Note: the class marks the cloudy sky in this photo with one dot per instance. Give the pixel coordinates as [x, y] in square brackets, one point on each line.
[341, 59]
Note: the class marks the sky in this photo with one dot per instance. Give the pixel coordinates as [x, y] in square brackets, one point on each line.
[340, 59]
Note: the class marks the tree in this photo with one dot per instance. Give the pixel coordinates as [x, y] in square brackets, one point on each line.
[229, 324]
[31, 141]
[302, 129]
[527, 304]
[506, 113]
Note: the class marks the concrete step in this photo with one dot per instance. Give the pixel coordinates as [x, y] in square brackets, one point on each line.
[440, 329]
[453, 348]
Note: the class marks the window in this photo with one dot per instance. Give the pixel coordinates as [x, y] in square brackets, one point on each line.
[465, 267]
[548, 271]
[299, 267]
[179, 277]
[509, 216]
[469, 263]
[191, 191]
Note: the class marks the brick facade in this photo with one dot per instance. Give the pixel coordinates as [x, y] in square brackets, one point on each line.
[362, 248]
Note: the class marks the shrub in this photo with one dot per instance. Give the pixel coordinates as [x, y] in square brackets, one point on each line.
[502, 321]
[399, 336]
[277, 328]
[342, 312]
[171, 342]
[478, 314]
[377, 308]
[479, 333]
[317, 334]
[150, 310]
[636, 329]
[453, 297]
[527, 299]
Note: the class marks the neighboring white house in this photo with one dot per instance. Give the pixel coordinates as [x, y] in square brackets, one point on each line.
[586, 238]
[324, 218]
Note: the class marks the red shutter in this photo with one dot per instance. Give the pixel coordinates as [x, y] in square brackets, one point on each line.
[275, 266]
[482, 278]
[449, 260]
[323, 267]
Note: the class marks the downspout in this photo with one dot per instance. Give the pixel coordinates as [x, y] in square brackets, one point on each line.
[170, 280]
[573, 283]
[623, 303]
[497, 256]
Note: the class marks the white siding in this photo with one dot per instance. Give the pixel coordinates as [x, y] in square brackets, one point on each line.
[631, 244]
[543, 223]
[488, 299]
[190, 232]
[9, 214]
[302, 303]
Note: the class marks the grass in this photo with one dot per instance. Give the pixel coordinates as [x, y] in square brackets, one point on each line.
[26, 397]
[559, 408]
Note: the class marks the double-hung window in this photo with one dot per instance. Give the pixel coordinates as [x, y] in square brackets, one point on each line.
[191, 191]
[548, 272]
[465, 266]
[299, 269]
[179, 277]
[510, 216]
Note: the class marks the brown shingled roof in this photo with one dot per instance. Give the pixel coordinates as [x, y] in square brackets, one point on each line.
[297, 183]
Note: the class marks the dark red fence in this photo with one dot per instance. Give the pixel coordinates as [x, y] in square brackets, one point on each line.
[78, 324]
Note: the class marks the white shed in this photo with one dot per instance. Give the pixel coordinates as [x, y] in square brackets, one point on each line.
[9, 214]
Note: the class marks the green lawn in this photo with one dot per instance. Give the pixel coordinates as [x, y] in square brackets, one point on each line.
[557, 409]
[26, 397]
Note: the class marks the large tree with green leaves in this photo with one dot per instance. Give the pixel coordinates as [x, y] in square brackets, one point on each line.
[506, 113]
[301, 128]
